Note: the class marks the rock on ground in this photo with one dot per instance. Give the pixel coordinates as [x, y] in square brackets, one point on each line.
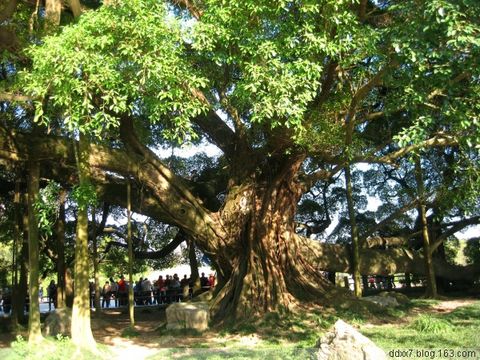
[58, 322]
[401, 298]
[188, 316]
[382, 301]
[343, 342]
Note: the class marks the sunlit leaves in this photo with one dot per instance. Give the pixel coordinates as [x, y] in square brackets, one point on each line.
[84, 195]
[438, 79]
[47, 207]
[118, 60]
[279, 50]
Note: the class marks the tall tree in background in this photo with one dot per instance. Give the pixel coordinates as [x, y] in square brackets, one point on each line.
[81, 329]
[422, 213]
[34, 327]
[131, 310]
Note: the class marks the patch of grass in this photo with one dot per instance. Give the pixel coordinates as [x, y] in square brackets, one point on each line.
[130, 332]
[466, 315]
[430, 324]
[423, 303]
[458, 329]
[179, 332]
[257, 353]
[57, 348]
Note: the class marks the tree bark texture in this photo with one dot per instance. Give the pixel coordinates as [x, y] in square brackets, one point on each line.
[354, 233]
[194, 275]
[81, 330]
[268, 270]
[422, 213]
[17, 242]
[131, 310]
[60, 239]
[96, 274]
[53, 13]
[76, 7]
[34, 327]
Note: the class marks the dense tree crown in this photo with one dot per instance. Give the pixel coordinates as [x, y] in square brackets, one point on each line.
[292, 93]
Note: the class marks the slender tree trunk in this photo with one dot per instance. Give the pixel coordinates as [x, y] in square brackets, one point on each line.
[22, 290]
[53, 13]
[96, 275]
[431, 283]
[17, 239]
[60, 237]
[354, 234]
[81, 330]
[76, 7]
[194, 275]
[34, 327]
[19, 303]
[131, 310]
[69, 294]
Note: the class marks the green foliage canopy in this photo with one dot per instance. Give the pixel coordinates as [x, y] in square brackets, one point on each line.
[117, 60]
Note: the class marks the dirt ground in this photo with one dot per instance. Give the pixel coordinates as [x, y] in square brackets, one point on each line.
[108, 328]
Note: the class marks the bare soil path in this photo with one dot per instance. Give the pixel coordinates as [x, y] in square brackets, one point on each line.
[109, 329]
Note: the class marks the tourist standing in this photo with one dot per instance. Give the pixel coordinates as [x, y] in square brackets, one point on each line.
[52, 295]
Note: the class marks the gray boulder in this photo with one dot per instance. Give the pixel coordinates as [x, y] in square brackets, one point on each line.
[382, 301]
[401, 298]
[58, 322]
[188, 316]
[343, 342]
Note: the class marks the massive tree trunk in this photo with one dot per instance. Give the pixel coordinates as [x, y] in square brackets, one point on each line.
[268, 270]
[53, 13]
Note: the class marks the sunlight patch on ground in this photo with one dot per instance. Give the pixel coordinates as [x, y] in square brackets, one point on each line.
[127, 349]
[251, 340]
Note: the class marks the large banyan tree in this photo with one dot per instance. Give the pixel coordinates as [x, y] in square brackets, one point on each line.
[291, 92]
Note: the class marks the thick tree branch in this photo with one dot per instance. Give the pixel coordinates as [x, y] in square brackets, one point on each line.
[5, 96]
[311, 179]
[336, 258]
[172, 198]
[360, 94]
[327, 84]
[216, 130]
[381, 241]
[407, 207]
[165, 251]
[455, 227]
[438, 140]
[362, 10]
[76, 7]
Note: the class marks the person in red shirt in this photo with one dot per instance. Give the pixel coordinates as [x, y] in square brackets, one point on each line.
[211, 281]
[122, 291]
[161, 290]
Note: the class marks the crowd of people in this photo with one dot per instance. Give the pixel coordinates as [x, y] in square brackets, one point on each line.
[161, 291]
